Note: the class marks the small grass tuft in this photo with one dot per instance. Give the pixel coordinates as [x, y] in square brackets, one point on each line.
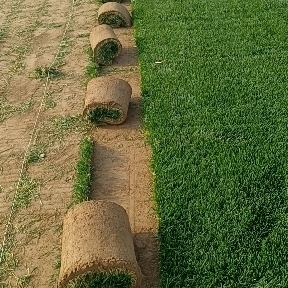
[7, 109]
[57, 264]
[44, 72]
[3, 34]
[27, 190]
[49, 100]
[9, 261]
[23, 281]
[83, 172]
[36, 154]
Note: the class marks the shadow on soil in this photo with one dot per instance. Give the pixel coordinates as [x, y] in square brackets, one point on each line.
[127, 57]
[146, 248]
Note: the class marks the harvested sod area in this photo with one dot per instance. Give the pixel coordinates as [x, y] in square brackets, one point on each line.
[214, 84]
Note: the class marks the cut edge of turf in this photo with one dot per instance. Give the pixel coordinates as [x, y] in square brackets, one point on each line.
[176, 250]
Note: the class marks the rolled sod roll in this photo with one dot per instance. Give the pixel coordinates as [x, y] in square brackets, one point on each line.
[107, 100]
[114, 15]
[105, 44]
[97, 238]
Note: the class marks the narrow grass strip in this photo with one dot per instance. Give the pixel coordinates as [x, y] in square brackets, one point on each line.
[83, 168]
[92, 68]
[214, 84]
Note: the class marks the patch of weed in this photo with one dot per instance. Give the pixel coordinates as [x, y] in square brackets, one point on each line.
[83, 35]
[36, 154]
[7, 109]
[57, 264]
[49, 100]
[27, 190]
[23, 281]
[45, 72]
[63, 51]
[3, 34]
[9, 261]
[58, 127]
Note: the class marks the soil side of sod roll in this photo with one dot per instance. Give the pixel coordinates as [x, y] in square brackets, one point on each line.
[114, 15]
[97, 238]
[107, 100]
[105, 44]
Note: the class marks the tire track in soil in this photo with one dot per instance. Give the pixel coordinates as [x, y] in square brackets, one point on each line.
[121, 162]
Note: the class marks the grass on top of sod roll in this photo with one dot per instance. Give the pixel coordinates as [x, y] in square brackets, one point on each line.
[214, 85]
[82, 183]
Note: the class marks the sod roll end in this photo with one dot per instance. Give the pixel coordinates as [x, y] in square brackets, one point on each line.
[105, 1]
[97, 238]
[105, 44]
[107, 100]
[114, 15]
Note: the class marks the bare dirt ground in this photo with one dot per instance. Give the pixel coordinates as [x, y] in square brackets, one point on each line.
[30, 35]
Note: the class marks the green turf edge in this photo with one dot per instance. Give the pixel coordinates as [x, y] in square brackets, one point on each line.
[82, 183]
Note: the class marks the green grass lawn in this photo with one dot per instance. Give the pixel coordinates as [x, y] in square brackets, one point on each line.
[217, 113]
